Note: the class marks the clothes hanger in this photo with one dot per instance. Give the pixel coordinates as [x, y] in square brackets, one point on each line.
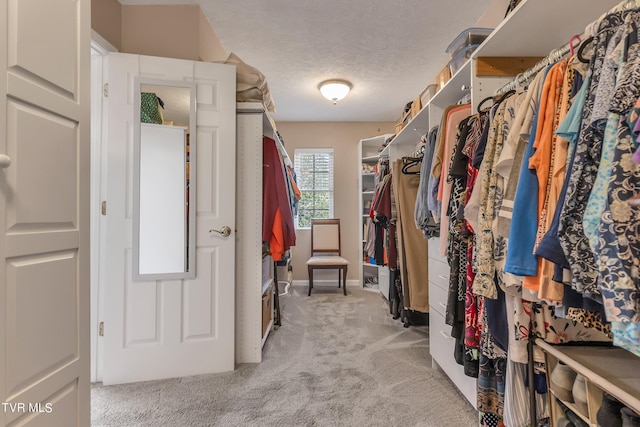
[520, 88]
[506, 95]
[410, 162]
[488, 98]
[574, 37]
[581, 48]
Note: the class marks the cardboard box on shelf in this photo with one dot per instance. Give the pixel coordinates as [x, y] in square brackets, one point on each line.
[416, 106]
[443, 77]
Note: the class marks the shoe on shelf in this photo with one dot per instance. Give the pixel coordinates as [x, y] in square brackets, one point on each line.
[579, 392]
[564, 422]
[575, 419]
[562, 379]
[608, 414]
[629, 418]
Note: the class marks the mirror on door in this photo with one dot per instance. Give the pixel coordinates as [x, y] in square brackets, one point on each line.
[164, 180]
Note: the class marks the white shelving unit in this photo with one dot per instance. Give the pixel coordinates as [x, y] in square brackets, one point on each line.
[534, 28]
[254, 275]
[369, 153]
[530, 30]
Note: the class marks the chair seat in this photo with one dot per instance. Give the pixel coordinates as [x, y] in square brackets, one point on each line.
[327, 260]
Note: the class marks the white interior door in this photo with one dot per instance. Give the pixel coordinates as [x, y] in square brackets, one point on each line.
[44, 206]
[170, 328]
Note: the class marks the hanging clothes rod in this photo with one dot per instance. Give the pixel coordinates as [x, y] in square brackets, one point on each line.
[556, 55]
[522, 78]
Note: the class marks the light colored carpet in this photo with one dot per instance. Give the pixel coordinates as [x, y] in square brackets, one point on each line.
[335, 361]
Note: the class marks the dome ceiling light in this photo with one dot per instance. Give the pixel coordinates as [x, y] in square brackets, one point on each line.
[335, 90]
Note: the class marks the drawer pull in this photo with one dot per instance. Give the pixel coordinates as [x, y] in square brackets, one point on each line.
[443, 277]
[447, 336]
[443, 305]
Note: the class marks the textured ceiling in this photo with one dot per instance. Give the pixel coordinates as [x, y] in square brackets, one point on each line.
[389, 50]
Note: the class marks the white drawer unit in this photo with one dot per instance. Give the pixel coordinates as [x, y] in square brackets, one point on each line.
[437, 299]
[439, 273]
[441, 346]
[434, 250]
[440, 341]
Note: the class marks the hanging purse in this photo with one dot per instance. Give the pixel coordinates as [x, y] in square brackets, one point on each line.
[150, 110]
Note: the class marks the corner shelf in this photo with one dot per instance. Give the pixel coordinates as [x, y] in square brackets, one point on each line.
[369, 152]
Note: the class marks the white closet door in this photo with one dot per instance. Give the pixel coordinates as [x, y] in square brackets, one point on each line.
[44, 212]
[171, 328]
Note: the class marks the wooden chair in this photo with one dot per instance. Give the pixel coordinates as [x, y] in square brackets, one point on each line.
[325, 240]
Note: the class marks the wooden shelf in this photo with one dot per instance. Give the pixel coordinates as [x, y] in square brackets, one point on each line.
[265, 285]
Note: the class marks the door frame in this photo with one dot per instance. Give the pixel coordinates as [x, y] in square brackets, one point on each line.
[101, 47]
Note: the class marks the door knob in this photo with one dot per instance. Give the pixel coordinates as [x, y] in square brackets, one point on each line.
[5, 161]
[224, 231]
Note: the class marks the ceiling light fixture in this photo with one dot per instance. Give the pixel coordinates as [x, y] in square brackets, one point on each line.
[335, 90]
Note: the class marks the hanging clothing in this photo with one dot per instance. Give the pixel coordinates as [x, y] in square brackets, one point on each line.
[484, 283]
[569, 129]
[412, 247]
[424, 217]
[549, 162]
[583, 173]
[385, 212]
[618, 244]
[449, 126]
[277, 219]
[520, 259]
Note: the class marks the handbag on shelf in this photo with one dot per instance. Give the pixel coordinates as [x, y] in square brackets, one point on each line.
[150, 109]
[512, 5]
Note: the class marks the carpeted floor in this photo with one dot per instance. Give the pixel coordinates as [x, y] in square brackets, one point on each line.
[335, 361]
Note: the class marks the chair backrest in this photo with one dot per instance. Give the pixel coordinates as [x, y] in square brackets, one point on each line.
[325, 236]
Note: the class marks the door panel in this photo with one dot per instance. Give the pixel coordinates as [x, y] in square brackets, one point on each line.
[59, 20]
[44, 206]
[49, 203]
[142, 302]
[30, 297]
[175, 323]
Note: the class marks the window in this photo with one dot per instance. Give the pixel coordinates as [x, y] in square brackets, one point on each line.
[314, 173]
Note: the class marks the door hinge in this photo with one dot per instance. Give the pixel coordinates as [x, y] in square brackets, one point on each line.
[101, 329]
[104, 207]
[105, 90]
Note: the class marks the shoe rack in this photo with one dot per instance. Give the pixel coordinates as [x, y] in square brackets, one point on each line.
[605, 369]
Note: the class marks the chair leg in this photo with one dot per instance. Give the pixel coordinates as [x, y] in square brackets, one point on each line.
[310, 281]
[344, 280]
[339, 272]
